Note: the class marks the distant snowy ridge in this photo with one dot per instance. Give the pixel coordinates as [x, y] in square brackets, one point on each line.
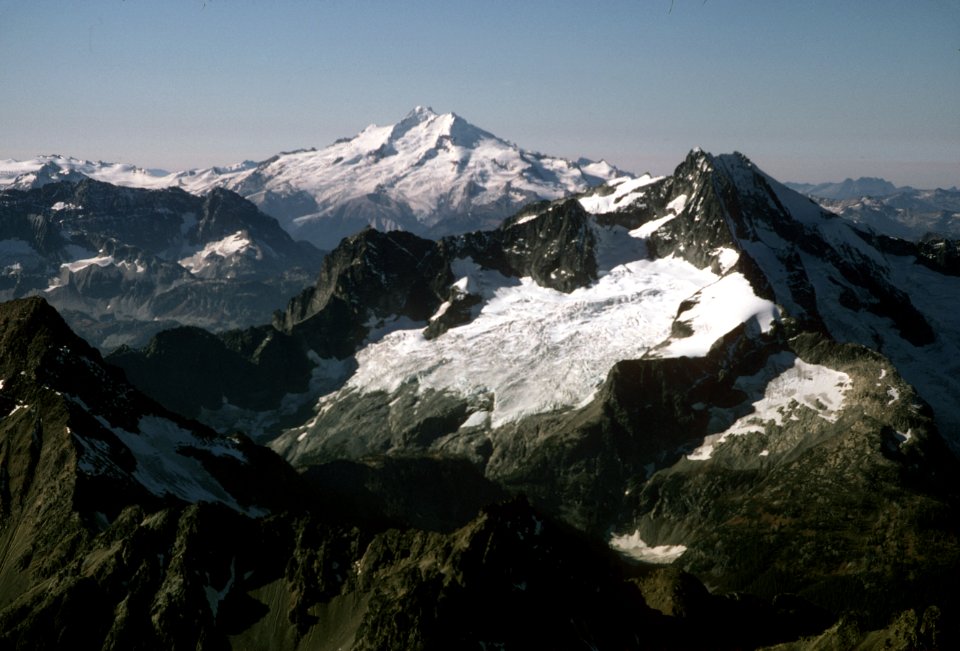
[429, 173]
[848, 188]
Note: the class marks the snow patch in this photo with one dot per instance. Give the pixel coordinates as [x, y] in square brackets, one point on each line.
[214, 596]
[527, 218]
[477, 419]
[77, 265]
[17, 408]
[718, 309]
[626, 191]
[795, 383]
[903, 437]
[646, 230]
[726, 258]
[441, 310]
[163, 470]
[228, 246]
[632, 545]
[894, 395]
[677, 204]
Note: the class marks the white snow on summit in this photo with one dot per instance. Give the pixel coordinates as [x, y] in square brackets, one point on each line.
[24, 175]
[428, 172]
[421, 170]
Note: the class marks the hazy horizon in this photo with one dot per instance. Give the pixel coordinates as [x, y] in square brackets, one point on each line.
[812, 92]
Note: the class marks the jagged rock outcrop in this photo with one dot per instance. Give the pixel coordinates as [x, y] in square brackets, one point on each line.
[552, 243]
[190, 370]
[369, 278]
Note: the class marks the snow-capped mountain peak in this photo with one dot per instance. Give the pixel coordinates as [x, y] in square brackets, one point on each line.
[430, 173]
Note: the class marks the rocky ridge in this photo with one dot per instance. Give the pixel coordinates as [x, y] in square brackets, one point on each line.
[122, 263]
[909, 214]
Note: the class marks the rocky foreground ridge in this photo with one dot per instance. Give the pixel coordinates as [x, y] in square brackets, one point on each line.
[126, 526]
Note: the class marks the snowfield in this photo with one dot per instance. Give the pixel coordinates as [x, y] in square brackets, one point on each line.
[161, 467]
[533, 350]
[626, 190]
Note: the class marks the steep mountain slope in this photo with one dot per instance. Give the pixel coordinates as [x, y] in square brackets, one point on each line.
[123, 262]
[123, 526]
[716, 245]
[78, 445]
[430, 174]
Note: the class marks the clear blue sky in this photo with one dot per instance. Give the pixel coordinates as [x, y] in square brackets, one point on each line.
[810, 90]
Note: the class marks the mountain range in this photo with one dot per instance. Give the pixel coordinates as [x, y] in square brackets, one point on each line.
[431, 174]
[125, 526]
[124, 263]
[865, 186]
[689, 411]
[706, 370]
[881, 207]
[437, 174]
[907, 214]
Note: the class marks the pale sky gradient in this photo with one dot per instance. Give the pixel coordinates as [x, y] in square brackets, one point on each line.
[810, 90]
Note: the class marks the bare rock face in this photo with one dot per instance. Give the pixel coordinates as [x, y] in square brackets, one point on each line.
[549, 242]
[370, 277]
